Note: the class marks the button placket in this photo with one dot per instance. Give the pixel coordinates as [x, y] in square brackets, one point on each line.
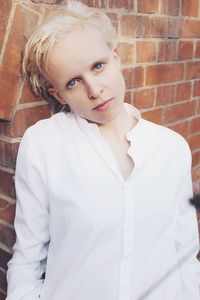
[128, 244]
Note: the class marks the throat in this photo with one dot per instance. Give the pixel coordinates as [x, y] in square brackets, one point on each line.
[115, 136]
[119, 148]
[124, 161]
[117, 129]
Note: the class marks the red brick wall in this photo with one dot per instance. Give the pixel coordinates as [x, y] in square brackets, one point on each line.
[160, 50]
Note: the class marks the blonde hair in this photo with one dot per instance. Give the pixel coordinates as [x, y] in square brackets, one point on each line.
[52, 30]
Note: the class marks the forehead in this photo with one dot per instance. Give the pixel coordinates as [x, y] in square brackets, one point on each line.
[76, 51]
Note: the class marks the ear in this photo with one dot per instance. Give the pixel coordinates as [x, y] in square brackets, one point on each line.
[55, 93]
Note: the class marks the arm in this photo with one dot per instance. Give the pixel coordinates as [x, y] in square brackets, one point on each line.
[187, 242]
[27, 265]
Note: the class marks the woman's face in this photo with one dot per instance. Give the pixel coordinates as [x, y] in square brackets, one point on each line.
[85, 73]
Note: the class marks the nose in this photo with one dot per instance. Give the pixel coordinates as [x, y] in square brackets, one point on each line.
[94, 88]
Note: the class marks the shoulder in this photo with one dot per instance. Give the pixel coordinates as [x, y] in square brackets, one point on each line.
[168, 141]
[47, 135]
[166, 135]
[155, 134]
[57, 121]
[49, 129]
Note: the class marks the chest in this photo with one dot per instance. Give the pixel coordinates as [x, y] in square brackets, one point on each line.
[83, 185]
[84, 191]
[124, 162]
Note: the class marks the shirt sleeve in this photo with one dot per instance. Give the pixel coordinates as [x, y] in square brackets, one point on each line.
[27, 266]
[187, 239]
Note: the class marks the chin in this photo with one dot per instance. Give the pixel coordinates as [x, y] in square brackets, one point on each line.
[109, 115]
[107, 120]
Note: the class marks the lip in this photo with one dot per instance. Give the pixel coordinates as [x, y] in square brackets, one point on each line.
[101, 105]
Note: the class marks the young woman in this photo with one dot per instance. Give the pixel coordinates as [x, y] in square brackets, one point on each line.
[103, 207]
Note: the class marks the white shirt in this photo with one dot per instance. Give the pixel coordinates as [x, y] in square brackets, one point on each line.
[97, 236]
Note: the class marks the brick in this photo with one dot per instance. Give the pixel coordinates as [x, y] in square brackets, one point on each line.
[154, 115]
[27, 96]
[167, 51]
[114, 20]
[170, 7]
[195, 173]
[196, 187]
[146, 6]
[4, 15]
[151, 26]
[174, 27]
[183, 91]
[8, 153]
[7, 236]
[129, 97]
[144, 98]
[193, 70]
[7, 184]
[24, 22]
[4, 258]
[196, 90]
[164, 73]
[197, 50]
[190, 8]
[134, 77]
[7, 212]
[195, 158]
[2, 296]
[196, 190]
[178, 112]
[194, 141]
[23, 119]
[87, 2]
[143, 26]
[97, 3]
[126, 53]
[185, 50]
[198, 106]
[158, 26]
[46, 1]
[195, 125]
[145, 51]
[127, 4]
[3, 281]
[182, 128]
[190, 29]
[165, 94]
[128, 25]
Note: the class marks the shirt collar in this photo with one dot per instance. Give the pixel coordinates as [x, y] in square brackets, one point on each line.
[88, 126]
[143, 136]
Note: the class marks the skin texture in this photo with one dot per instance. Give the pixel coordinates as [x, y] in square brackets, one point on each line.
[84, 73]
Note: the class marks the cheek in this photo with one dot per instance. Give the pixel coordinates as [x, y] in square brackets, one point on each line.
[113, 78]
[72, 97]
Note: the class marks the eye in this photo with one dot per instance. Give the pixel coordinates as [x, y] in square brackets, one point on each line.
[98, 66]
[71, 83]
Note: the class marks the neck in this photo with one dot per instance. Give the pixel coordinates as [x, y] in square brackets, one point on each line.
[118, 128]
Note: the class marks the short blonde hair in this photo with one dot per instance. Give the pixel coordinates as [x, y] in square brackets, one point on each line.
[52, 30]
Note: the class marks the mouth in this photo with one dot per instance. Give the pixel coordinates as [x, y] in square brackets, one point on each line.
[102, 106]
